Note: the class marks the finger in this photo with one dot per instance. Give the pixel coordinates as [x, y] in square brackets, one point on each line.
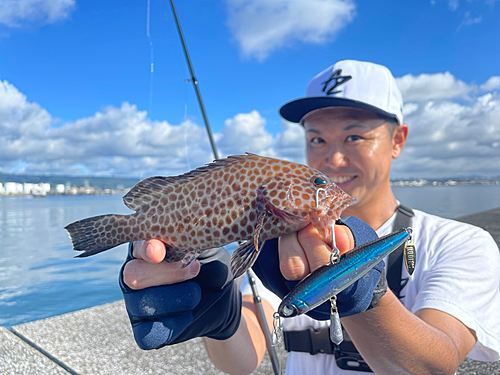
[152, 251]
[344, 239]
[140, 274]
[293, 260]
[303, 252]
[316, 250]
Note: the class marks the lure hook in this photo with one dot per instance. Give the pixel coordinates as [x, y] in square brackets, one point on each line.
[277, 329]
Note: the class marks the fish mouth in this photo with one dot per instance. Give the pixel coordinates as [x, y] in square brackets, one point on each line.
[327, 198]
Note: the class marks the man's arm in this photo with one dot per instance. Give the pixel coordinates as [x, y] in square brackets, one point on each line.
[243, 352]
[392, 340]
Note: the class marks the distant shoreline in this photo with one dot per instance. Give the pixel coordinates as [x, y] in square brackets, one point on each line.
[98, 192]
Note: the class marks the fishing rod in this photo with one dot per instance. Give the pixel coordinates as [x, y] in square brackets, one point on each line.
[195, 83]
[251, 276]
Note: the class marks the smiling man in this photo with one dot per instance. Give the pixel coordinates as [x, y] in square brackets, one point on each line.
[446, 310]
[426, 323]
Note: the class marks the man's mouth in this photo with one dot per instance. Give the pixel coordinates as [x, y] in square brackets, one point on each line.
[341, 179]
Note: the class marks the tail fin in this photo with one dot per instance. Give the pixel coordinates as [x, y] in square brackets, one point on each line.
[99, 233]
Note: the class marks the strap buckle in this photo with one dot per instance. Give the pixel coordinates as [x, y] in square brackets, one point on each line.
[312, 341]
[320, 341]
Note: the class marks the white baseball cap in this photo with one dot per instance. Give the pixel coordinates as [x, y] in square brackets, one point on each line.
[349, 83]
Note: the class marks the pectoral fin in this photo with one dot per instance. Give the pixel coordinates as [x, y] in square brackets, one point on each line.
[244, 257]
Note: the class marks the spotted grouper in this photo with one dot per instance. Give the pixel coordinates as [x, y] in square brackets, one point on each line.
[242, 197]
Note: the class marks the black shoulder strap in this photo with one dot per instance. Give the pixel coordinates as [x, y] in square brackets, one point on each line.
[395, 261]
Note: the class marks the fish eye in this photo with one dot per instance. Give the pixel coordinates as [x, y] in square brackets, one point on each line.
[318, 181]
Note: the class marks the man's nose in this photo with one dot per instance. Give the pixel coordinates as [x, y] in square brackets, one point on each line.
[337, 158]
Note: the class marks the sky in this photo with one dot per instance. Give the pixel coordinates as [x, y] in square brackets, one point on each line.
[102, 87]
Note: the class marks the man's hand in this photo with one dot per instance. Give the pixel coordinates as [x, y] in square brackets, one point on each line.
[282, 263]
[304, 251]
[148, 268]
[168, 304]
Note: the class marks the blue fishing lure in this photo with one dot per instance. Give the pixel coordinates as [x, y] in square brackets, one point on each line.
[329, 280]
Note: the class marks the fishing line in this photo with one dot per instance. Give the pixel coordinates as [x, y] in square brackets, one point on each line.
[152, 64]
[185, 136]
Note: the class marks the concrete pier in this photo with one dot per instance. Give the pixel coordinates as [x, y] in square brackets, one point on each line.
[99, 341]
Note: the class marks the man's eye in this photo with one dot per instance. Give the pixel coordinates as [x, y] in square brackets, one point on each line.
[353, 138]
[316, 140]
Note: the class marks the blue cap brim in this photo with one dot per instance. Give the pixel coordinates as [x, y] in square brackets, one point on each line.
[295, 110]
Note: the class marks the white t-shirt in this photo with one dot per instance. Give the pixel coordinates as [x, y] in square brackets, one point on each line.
[457, 271]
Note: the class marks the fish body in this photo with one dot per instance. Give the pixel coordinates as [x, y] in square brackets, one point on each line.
[241, 197]
[329, 280]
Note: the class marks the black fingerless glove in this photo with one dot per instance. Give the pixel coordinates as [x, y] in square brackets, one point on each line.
[207, 305]
[358, 297]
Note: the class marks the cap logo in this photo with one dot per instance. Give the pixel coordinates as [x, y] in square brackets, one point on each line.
[337, 80]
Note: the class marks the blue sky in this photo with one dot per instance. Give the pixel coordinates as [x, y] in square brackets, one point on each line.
[77, 95]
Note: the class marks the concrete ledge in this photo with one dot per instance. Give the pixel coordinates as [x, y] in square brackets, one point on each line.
[17, 357]
[99, 340]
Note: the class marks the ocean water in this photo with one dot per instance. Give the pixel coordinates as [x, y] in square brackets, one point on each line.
[39, 277]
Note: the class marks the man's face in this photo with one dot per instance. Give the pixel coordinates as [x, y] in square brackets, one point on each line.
[354, 148]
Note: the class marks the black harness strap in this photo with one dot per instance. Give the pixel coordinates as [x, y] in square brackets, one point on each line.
[395, 260]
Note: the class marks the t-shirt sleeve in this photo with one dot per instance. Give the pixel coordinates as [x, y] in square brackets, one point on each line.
[462, 278]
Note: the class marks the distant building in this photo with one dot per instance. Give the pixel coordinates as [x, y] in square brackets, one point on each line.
[60, 189]
[14, 188]
[28, 188]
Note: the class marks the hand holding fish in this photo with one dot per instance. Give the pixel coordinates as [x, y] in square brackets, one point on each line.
[148, 269]
[305, 251]
[277, 271]
[167, 304]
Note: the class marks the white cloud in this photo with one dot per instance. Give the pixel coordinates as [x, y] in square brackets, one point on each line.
[452, 139]
[290, 142]
[262, 26]
[432, 86]
[469, 20]
[14, 12]
[491, 84]
[247, 132]
[453, 4]
[448, 136]
[116, 141]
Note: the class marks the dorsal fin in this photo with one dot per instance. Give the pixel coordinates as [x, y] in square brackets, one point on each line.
[153, 186]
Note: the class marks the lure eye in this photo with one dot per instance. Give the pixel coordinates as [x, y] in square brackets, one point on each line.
[287, 311]
[319, 181]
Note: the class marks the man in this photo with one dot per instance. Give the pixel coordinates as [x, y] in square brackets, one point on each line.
[448, 309]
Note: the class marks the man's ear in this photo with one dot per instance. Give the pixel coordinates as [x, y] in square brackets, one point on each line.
[399, 140]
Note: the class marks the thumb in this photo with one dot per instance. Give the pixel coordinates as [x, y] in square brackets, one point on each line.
[344, 238]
